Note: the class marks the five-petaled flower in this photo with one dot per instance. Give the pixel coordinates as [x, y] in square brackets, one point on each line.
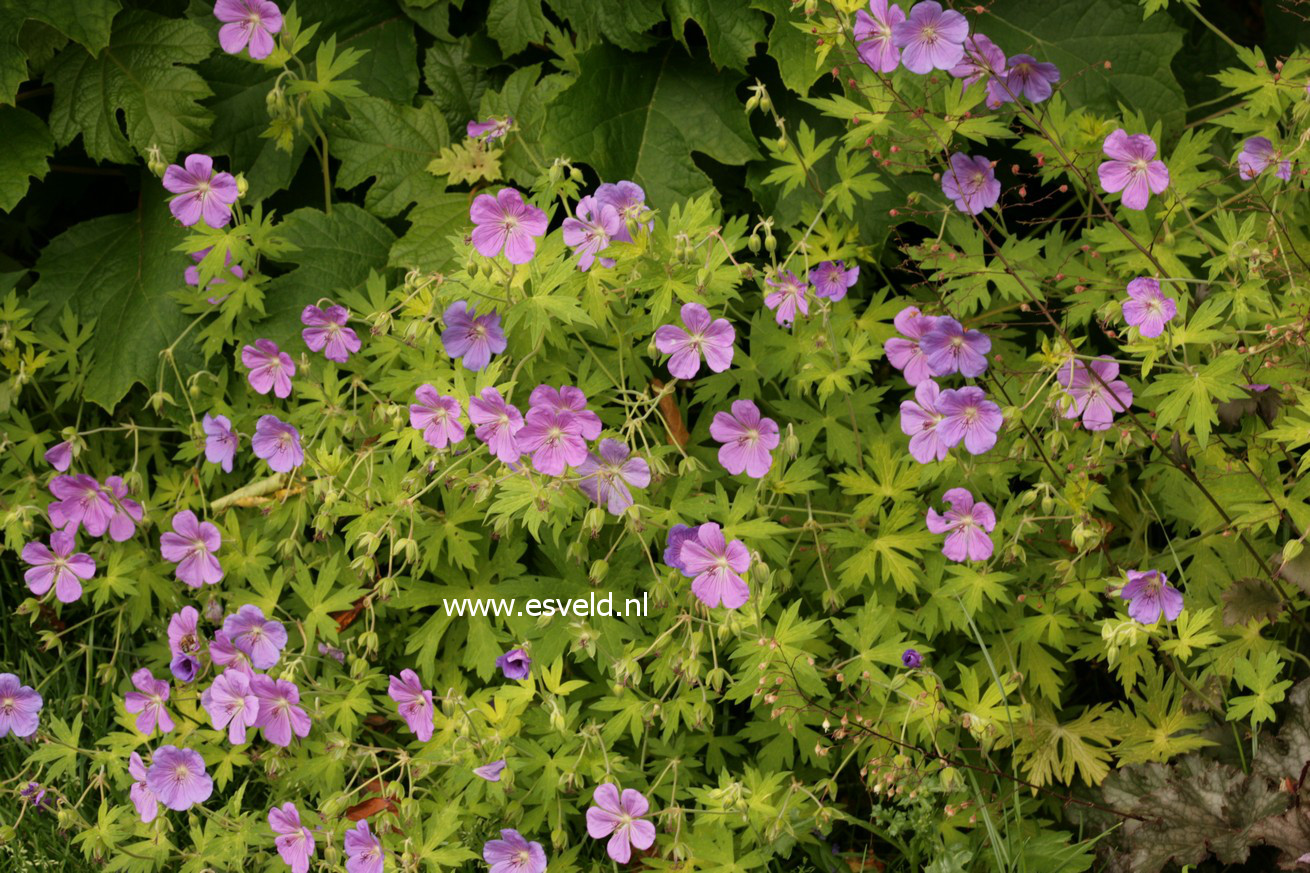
[512, 853]
[201, 193]
[220, 441]
[413, 702]
[1258, 154]
[177, 777]
[704, 335]
[231, 704]
[471, 337]
[363, 850]
[832, 279]
[621, 818]
[492, 129]
[873, 35]
[506, 223]
[1146, 308]
[515, 664]
[590, 229]
[147, 805]
[259, 637]
[968, 417]
[191, 545]
[950, 348]
[1097, 394]
[280, 714]
[931, 38]
[326, 331]
[57, 566]
[790, 296]
[249, 23]
[1030, 78]
[905, 352]
[921, 422]
[496, 423]
[716, 567]
[970, 183]
[606, 476]
[278, 443]
[147, 703]
[1150, 595]
[966, 525]
[294, 841]
[1132, 168]
[748, 439]
[438, 416]
[20, 707]
[270, 368]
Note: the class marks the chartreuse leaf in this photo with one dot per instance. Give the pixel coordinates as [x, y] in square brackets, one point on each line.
[1193, 395]
[657, 109]
[140, 76]
[393, 145]
[26, 153]
[118, 270]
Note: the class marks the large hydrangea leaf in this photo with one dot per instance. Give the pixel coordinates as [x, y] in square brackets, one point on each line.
[516, 23]
[731, 30]
[393, 145]
[140, 75]
[26, 153]
[623, 23]
[640, 117]
[85, 22]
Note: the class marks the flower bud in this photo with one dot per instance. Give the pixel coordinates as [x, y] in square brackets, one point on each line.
[771, 243]
[754, 243]
[155, 160]
[752, 104]
[242, 185]
[599, 570]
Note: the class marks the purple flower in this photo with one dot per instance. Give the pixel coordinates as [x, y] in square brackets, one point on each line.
[711, 337]
[20, 707]
[921, 420]
[1150, 595]
[414, 703]
[506, 222]
[678, 534]
[905, 354]
[873, 35]
[332, 652]
[748, 439]
[496, 423]
[968, 415]
[224, 653]
[147, 805]
[513, 854]
[606, 477]
[1132, 168]
[716, 567]
[1030, 78]
[566, 399]
[792, 296]
[294, 841]
[326, 328]
[81, 503]
[192, 273]
[970, 183]
[231, 704]
[270, 368]
[1097, 395]
[363, 850]
[57, 566]
[966, 526]
[831, 279]
[471, 337]
[1147, 309]
[515, 664]
[35, 795]
[260, 638]
[490, 772]
[491, 129]
[931, 38]
[982, 59]
[591, 231]
[177, 777]
[184, 667]
[60, 455]
[437, 416]
[554, 439]
[279, 712]
[201, 193]
[220, 441]
[184, 632]
[950, 348]
[278, 443]
[191, 545]
[629, 201]
[148, 703]
[620, 817]
[250, 22]
[1258, 154]
[127, 512]
[911, 659]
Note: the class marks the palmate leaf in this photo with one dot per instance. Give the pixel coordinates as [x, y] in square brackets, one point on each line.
[623, 24]
[393, 145]
[85, 22]
[140, 75]
[26, 153]
[730, 29]
[516, 23]
[640, 117]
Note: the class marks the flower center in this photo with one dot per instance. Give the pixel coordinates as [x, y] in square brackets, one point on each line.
[928, 34]
[752, 436]
[1140, 165]
[284, 442]
[181, 773]
[523, 857]
[7, 705]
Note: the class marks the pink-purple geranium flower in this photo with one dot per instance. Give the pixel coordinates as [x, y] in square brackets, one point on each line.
[414, 702]
[363, 850]
[490, 772]
[147, 703]
[326, 331]
[201, 193]
[554, 439]
[280, 714]
[57, 566]
[621, 817]
[1097, 394]
[1030, 78]
[967, 526]
[185, 643]
[1146, 308]
[294, 841]
[231, 704]
[20, 707]
[270, 368]
[931, 38]
[873, 35]
[748, 439]
[248, 23]
[220, 441]
[512, 853]
[1132, 168]
[905, 352]
[60, 455]
[606, 476]
[790, 295]
[568, 399]
[82, 503]
[147, 805]
[704, 335]
[590, 230]
[259, 637]
[921, 422]
[224, 653]
[970, 183]
[629, 201]
[471, 337]
[127, 512]
[506, 223]
[438, 416]
[950, 348]
[677, 535]
[192, 273]
[1258, 154]
[832, 279]
[278, 443]
[177, 777]
[515, 664]
[968, 416]
[191, 545]
[496, 423]
[982, 59]
[492, 129]
[716, 567]
[1150, 595]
